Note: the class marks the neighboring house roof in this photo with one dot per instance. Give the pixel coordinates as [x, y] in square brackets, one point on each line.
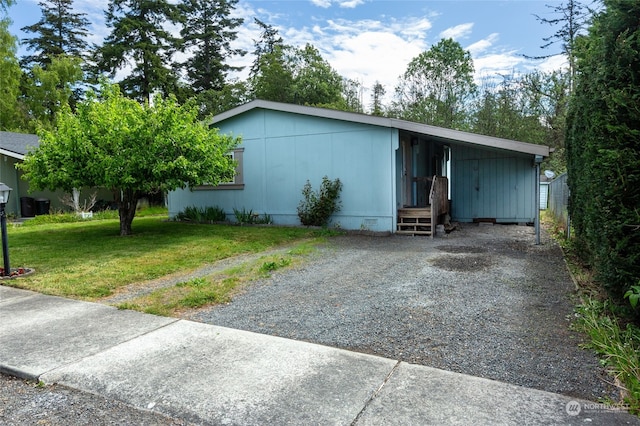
[438, 133]
[17, 145]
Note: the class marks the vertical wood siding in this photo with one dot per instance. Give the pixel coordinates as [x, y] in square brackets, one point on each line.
[282, 151]
[492, 184]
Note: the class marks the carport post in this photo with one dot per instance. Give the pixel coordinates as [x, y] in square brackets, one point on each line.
[537, 206]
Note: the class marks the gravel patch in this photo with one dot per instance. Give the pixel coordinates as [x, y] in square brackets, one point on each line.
[483, 300]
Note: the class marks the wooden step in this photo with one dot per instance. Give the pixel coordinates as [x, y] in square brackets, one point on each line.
[414, 221]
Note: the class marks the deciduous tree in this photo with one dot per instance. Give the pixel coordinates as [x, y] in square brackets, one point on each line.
[131, 148]
[437, 86]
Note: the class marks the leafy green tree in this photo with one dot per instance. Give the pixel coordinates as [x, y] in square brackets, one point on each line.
[437, 86]
[603, 147]
[274, 79]
[207, 32]
[297, 75]
[49, 90]
[139, 38]
[133, 149]
[10, 75]
[59, 31]
[211, 102]
[315, 81]
[352, 95]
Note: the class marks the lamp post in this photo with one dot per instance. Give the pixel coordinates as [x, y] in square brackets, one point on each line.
[5, 191]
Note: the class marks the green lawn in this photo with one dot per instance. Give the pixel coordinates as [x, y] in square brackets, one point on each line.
[89, 260]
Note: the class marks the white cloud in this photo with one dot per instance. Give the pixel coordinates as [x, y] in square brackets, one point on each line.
[497, 64]
[553, 63]
[350, 4]
[322, 3]
[347, 4]
[482, 45]
[457, 32]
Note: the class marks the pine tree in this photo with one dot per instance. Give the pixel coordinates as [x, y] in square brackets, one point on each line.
[572, 17]
[138, 37]
[60, 31]
[265, 46]
[208, 31]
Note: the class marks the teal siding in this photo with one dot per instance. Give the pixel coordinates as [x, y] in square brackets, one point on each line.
[492, 184]
[283, 150]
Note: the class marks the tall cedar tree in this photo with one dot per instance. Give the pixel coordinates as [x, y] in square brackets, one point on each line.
[269, 39]
[59, 32]
[207, 32]
[603, 147]
[138, 38]
[572, 16]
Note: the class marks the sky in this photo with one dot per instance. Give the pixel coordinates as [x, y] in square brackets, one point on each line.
[374, 40]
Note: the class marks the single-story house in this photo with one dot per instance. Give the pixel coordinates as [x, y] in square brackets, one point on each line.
[387, 167]
[22, 201]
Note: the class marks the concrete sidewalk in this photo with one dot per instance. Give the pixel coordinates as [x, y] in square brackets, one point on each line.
[214, 375]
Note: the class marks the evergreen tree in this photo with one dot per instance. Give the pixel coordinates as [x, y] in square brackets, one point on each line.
[603, 147]
[265, 46]
[59, 31]
[208, 31]
[572, 17]
[139, 38]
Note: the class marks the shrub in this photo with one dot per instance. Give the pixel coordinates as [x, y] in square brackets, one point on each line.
[202, 214]
[249, 217]
[316, 207]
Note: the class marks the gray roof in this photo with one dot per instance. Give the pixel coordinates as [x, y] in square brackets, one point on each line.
[438, 133]
[17, 145]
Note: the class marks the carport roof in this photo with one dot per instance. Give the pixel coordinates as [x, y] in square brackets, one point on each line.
[438, 133]
[17, 145]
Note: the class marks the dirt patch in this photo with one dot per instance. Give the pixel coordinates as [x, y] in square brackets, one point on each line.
[462, 263]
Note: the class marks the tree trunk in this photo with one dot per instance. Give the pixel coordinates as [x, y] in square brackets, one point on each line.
[127, 209]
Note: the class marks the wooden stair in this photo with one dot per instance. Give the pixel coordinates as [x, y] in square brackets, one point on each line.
[414, 221]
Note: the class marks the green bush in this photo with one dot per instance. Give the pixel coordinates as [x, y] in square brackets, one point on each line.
[202, 214]
[316, 207]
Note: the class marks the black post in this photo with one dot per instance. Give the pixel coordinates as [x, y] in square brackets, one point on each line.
[5, 245]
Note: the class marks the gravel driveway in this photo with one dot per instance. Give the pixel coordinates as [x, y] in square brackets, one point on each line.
[483, 300]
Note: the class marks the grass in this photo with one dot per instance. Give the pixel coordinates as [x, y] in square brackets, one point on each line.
[88, 260]
[215, 288]
[611, 336]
